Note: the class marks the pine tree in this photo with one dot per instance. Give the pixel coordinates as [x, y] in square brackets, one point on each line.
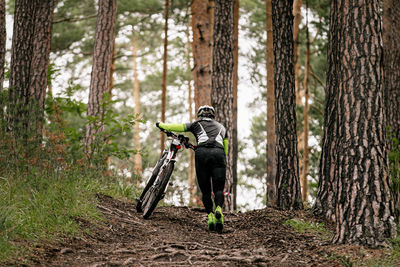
[137, 161]
[202, 27]
[357, 159]
[271, 137]
[101, 70]
[20, 68]
[287, 172]
[235, 100]
[164, 76]
[40, 61]
[222, 87]
[3, 37]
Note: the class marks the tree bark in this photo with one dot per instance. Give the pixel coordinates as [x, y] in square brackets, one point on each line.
[391, 56]
[235, 100]
[101, 70]
[222, 87]
[20, 68]
[306, 111]
[364, 210]
[164, 75]
[137, 162]
[202, 24]
[296, 29]
[271, 137]
[325, 201]
[3, 38]
[287, 173]
[191, 170]
[40, 62]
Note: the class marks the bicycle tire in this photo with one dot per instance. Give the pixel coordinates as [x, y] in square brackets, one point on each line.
[154, 195]
[153, 177]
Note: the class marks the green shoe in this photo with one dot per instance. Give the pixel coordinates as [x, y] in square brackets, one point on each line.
[211, 221]
[219, 224]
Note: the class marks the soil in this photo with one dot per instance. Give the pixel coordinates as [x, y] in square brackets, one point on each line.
[178, 236]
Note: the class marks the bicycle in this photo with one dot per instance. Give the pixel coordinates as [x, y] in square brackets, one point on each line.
[158, 182]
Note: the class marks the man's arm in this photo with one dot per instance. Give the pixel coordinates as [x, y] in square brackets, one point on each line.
[226, 149]
[175, 127]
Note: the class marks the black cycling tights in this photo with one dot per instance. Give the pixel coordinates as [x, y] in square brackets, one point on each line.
[210, 167]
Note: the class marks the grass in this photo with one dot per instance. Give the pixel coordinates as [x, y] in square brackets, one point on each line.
[38, 205]
[302, 226]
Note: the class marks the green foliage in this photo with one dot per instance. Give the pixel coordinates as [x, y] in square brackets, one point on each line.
[43, 189]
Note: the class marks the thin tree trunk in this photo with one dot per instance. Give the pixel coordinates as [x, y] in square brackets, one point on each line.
[297, 4]
[391, 52]
[101, 70]
[191, 171]
[296, 29]
[271, 137]
[164, 75]
[202, 24]
[235, 100]
[287, 172]
[306, 111]
[222, 87]
[137, 162]
[3, 38]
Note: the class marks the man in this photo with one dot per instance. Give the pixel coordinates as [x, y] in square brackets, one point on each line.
[210, 157]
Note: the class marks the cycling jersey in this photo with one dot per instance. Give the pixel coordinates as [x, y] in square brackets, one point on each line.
[208, 132]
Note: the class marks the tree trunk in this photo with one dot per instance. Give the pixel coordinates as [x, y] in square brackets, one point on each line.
[306, 111]
[391, 52]
[40, 62]
[297, 4]
[101, 70]
[137, 161]
[3, 38]
[235, 107]
[202, 23]
[222, 87]
[364, 210]
[287, 173]
[271, 137]
[296, 29]
[325, 201]
[164, 75]
[191, 171]
[20, 68]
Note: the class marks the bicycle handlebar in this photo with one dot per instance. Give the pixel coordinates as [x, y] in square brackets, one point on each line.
[183, 139]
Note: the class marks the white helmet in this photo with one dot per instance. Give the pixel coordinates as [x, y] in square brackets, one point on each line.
[206, 111]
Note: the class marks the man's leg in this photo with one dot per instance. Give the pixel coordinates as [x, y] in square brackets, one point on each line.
[204, 178]
[218, 178]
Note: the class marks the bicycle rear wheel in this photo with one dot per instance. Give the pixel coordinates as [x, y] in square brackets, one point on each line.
[155, 193]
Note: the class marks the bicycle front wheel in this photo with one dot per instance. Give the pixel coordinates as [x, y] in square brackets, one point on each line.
[150, 182]
[155, 193]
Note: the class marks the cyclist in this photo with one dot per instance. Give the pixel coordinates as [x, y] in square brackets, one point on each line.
[210, 157]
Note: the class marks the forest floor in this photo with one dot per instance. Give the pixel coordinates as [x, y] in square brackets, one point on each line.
[177, 236]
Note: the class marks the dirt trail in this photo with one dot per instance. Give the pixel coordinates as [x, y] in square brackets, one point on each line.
[177, 236]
